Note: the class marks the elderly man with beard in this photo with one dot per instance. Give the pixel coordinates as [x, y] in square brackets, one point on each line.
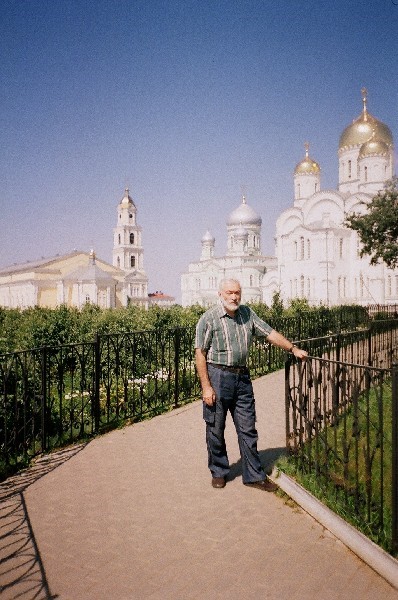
[223, 338]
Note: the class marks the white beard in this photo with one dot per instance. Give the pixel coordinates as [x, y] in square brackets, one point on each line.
[229, 305]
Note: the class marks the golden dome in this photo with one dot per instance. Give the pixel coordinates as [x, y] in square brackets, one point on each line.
[364, 128]
[307, 165]
[373, 147]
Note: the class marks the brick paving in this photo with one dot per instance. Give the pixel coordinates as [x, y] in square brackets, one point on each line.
[132, 515]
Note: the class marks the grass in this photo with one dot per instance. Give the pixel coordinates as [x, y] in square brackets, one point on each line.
[349, 466]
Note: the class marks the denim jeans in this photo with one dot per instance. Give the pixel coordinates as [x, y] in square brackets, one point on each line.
[234, 393]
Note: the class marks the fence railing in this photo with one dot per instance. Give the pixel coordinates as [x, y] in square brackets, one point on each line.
[54, 396]
[341, 426]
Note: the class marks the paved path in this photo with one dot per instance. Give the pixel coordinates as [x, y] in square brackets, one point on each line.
[132, 515]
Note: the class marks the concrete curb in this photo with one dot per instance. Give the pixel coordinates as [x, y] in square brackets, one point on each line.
[379, 560]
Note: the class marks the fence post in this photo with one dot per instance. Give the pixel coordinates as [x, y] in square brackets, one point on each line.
[176, 367]
[394, 450]
[288, 366]
[370, 359]
[97, 379]
[44, 399]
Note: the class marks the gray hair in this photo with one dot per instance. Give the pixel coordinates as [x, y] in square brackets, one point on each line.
[223, 283]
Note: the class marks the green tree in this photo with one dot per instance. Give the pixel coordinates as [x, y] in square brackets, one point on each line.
[378, 227]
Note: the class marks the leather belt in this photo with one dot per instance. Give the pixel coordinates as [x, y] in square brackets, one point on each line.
[240, 370]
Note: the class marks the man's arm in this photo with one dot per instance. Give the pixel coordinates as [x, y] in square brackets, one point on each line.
[277, 339]
[208, 394]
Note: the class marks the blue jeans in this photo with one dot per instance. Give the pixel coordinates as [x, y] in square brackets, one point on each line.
[234, 393]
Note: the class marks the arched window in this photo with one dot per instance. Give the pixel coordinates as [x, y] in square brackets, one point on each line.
[302, 292]
[132, 261]
[389, 286]
[119, 239]
[349, 169]
[251, 280]
[308, 248]
[131, 238]
[118, 261]
[366, 173]
[301, 248]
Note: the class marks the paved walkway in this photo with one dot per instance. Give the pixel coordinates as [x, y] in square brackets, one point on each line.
[132, 515]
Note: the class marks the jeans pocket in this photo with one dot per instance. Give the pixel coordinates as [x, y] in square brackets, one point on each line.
[209, 413]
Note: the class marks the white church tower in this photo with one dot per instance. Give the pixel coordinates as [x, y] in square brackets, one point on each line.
[128, 253]
[318, 255]
[366, 154]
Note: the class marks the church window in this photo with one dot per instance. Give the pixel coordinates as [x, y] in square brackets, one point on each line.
[389, 286]
[341, 248]
[349, 169]
[118, 261]
[131, 238]
[316, 187]
[251, 280]
[119, 239]
[132, 261]
[130, 216]
[366, 173]
[308, 248]
[301, 248]
[295, 250]
[302, 292]
[87, 299]
[298, 190]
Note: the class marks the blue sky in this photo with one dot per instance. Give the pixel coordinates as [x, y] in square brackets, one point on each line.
[187, 103]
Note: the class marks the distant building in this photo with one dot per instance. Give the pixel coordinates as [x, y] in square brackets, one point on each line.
[243, 259]
[317, 257]
[79, 278]
[160, 299]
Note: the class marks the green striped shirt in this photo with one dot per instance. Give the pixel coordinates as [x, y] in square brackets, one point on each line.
[227, 339]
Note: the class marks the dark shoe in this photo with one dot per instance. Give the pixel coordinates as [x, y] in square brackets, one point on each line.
[218, 482]
[267, 485]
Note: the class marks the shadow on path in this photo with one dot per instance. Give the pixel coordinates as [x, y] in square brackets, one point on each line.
[22, 573]
[268, 459]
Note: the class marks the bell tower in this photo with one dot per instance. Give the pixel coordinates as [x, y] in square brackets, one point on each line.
[128, 253]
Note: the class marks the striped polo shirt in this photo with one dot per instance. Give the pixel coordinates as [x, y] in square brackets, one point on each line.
[227, 339]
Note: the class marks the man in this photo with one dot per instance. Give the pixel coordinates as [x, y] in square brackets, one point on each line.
[223, 337]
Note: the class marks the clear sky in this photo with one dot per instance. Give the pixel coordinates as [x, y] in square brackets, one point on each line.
[187, 103]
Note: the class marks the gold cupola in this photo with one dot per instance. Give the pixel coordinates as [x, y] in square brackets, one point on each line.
[307, 165]
[365, 128]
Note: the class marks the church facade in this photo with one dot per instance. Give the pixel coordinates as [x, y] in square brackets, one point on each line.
[316, 256]
[78, 278]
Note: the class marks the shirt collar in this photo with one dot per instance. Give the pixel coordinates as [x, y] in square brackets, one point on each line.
[222, 312]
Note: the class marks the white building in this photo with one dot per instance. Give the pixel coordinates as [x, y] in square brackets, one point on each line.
[317, 257]
[79, 278]
[242, 260]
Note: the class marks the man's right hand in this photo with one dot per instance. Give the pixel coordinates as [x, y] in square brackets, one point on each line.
[209, 396]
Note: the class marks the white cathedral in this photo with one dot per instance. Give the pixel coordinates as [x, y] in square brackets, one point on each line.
[78, 278]
[316, 256]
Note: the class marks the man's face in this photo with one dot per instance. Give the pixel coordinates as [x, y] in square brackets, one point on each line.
[230, 296]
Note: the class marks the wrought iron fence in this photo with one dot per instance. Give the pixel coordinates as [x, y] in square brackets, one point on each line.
[341, 426]
[54, 396]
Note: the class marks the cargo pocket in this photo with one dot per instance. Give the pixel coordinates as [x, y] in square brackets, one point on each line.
[209, 413]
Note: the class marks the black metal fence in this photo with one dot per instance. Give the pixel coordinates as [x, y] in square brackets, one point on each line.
[54, 396]
[341, 426]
